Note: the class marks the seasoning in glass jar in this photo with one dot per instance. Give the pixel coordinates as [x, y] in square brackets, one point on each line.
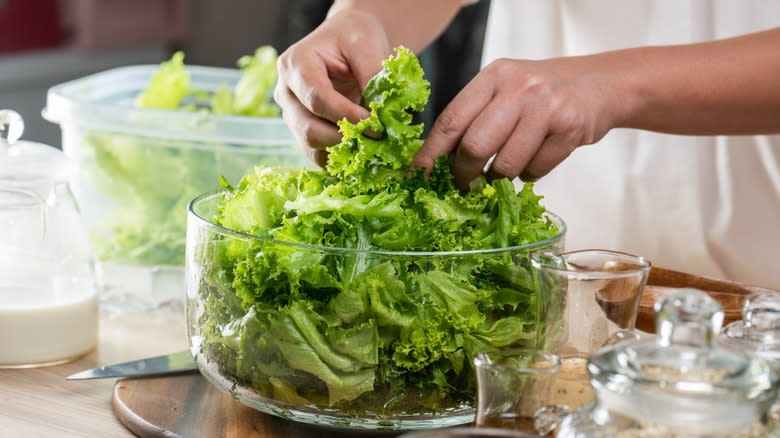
[682, 384]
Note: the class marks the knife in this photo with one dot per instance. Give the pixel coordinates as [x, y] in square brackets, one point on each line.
[174, 363]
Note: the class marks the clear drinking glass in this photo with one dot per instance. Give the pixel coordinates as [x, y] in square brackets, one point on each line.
[520, 389]
[603, 289]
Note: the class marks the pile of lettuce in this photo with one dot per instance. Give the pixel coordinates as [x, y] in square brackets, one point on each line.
[365, 322]
[149, 180]
[170, 88]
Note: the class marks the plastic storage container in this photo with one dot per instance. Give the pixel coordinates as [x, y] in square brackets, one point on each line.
[329, 354]
[137, 169]
[48, 299]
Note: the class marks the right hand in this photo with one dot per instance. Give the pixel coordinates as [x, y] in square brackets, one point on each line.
[527, 116]
[322, 76]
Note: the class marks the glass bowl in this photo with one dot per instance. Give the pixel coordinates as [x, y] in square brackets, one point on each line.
[357, 338]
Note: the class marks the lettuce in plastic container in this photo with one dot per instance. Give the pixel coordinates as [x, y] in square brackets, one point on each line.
[149, 180]
[364, 333]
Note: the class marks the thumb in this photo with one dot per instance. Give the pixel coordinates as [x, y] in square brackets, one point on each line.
[365, 60]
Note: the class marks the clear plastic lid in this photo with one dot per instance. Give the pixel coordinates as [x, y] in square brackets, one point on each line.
[759, 329]
[683, 380]
[24, 163]
[104, 101]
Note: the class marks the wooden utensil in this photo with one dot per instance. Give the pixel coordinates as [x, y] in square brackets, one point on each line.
[662, 282]
[188, 406]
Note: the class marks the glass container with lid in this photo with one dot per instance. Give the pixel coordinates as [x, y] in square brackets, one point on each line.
[48, 303]
[758, 332]
[681, 384]
[759, 329]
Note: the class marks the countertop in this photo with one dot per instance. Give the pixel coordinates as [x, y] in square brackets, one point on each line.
[37, 402]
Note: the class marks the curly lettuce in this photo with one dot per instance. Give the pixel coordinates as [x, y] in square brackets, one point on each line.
[371, 333]
[167, 87]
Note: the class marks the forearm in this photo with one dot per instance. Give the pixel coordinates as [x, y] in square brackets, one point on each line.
[412, 23]
[729, 86]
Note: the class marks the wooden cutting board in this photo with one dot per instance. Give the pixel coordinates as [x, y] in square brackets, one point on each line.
[187, 405]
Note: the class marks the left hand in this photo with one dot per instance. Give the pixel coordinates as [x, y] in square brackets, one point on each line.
[530, 114]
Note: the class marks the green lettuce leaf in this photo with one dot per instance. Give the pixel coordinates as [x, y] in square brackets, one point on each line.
[168, 86]
[363, 331]
[395, 91]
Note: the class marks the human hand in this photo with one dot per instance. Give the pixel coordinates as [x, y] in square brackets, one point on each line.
[530, 114]
[321, 78]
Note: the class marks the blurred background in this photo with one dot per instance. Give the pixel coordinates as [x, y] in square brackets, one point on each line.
[47, 42]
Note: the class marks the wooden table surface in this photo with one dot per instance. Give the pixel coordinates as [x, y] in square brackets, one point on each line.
[37, 402]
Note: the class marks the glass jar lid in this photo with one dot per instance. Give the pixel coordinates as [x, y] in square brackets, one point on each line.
[683, 380]
[759, 329]
[23, 163]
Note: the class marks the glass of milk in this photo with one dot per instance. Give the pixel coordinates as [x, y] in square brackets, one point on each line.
[48, 298]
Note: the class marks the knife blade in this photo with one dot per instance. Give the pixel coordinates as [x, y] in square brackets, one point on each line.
[174, 363]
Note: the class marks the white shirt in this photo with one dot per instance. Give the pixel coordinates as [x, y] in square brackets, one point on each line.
[705, 205]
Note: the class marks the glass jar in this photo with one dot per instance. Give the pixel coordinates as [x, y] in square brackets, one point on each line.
[682, 384]
[357, 338]
[759, 329]
[758, 332]
[48, 298]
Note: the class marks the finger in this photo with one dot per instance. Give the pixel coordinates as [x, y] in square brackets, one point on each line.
[363, 51]
[310, 83]
[483, 138]
[365, 62]
[351, 84]
[551, 153]
[518, 150]
[317, 156]
[451, 124]
[309, 130]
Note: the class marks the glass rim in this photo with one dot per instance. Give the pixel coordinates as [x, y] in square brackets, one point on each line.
[224, 230]
[486, 359]
[643, 265]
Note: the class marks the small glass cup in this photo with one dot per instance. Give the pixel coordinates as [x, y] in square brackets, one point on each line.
[603, 289]
[520, 389]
